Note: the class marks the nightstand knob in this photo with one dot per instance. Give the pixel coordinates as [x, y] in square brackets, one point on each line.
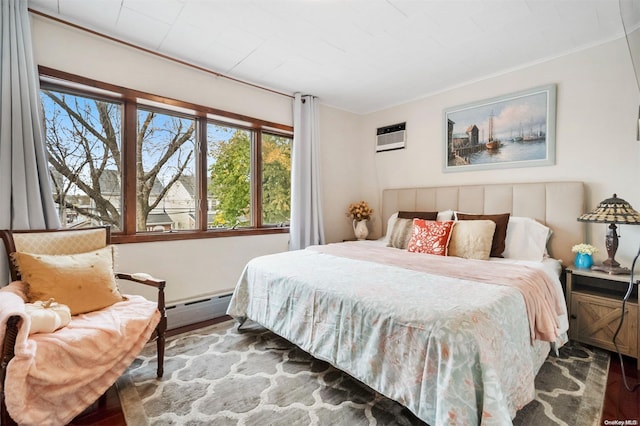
[573, 316]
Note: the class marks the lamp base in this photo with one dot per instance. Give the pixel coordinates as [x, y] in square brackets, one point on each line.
[612, 270]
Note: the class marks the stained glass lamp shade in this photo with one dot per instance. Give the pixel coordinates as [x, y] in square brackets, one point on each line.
[612, 211]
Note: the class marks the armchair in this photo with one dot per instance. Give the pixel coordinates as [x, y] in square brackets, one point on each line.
[49, 378]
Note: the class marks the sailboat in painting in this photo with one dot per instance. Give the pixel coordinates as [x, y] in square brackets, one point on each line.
[518, 138]
[492, 144]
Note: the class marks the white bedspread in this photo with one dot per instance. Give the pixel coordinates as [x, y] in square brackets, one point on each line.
[453, 351]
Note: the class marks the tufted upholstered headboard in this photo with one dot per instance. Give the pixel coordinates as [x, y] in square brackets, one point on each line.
[554, 204]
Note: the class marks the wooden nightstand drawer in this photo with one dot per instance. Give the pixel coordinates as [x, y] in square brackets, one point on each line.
[594, 305]
[594, 321]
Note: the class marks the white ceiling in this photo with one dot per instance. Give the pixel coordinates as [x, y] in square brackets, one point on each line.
[357, 55]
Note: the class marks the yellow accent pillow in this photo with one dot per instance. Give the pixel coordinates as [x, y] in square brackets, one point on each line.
[84, 282]
[472, 239]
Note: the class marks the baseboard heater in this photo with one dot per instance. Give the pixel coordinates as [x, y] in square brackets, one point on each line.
[200, 310]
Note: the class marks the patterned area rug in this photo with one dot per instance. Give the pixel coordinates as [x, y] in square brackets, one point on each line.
[219, 376]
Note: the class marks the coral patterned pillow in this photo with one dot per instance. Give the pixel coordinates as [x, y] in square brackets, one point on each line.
[430, 237]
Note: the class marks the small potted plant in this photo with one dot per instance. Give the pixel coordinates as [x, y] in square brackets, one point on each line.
[584, 255]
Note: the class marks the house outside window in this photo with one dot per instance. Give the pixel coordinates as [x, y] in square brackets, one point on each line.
[157, 170]
[165, 170]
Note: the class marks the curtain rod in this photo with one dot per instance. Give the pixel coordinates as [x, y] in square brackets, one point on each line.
[161, 55]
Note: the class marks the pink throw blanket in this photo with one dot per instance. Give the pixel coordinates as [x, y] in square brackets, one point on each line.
[55, 376]
[537, 289]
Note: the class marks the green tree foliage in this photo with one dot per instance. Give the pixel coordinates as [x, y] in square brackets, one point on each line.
[276, 179]
[230, 179]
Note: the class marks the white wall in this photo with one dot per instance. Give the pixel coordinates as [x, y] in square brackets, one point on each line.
[195, 268]
[341, 166]
[68, 49]
[595, 143]
[192, 268]
[597, 107]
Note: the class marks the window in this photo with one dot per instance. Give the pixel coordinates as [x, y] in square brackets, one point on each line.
[230, 172]
[276, 179]
[229, 167]
[166, 186]
[156, 168]
[84, 141]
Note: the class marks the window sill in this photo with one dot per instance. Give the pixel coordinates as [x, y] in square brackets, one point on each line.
[119, 238]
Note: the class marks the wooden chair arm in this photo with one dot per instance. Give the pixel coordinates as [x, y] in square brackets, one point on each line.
[8, 346]
[9, 343]
[161, 329]
[145, 279]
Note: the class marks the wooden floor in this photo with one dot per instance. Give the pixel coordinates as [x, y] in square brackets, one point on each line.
[619, 403]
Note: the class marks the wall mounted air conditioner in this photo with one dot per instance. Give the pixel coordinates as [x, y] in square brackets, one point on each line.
[391, 137]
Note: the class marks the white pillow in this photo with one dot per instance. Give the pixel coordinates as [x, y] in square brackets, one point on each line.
[445, 215]
[526, 239]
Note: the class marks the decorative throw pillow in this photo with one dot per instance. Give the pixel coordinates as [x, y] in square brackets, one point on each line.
[430, 237]
[390, 222]
[472, 239]
[417, 215]
[401, 233]
[84, 282]
[500, 234]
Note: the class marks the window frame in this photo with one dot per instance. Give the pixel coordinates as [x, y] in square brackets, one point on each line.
[70, 83]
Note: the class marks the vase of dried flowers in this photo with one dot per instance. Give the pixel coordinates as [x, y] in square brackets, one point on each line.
[360, 213]
[360, 229]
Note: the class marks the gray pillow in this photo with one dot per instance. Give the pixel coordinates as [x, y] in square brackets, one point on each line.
[401, 233]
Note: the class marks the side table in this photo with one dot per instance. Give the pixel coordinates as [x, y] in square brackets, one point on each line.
[594, 305]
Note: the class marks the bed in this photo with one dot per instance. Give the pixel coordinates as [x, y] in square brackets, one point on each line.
[457, 340]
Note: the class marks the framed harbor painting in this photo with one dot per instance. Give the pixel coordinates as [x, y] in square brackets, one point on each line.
[515, 130]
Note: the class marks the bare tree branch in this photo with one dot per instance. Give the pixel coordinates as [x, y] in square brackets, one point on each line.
[84, 143]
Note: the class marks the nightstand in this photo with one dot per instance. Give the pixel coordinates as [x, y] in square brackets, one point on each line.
[594, 304]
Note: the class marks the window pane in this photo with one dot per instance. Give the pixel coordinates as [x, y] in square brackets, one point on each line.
[166, 186]
[276, 179]
[229, 166]
[83, 140]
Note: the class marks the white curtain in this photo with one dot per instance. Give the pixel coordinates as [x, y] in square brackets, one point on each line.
[25, 191]
[306, 207]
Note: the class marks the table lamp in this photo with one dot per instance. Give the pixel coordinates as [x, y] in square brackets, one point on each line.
[612, 211]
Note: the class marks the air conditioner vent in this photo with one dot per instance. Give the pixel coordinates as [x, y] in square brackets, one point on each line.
[391, 137]
[197, 311]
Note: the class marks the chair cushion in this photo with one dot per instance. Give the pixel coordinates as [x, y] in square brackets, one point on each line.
[85, 282]
[61, 241]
